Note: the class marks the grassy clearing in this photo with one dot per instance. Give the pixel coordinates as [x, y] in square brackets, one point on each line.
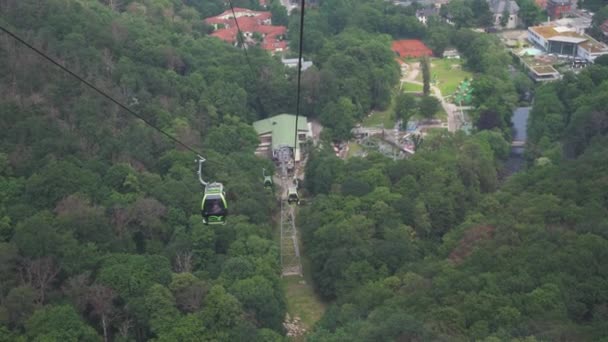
[411, 87]
[449, 74]
[353, 149]
[384, 118]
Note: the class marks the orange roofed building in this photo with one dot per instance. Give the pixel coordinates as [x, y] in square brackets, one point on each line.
[411, 48]
[250, 22]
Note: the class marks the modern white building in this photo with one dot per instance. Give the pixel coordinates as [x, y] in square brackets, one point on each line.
[293, 63]
[566, 42]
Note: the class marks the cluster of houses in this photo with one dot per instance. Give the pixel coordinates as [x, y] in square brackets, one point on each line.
[256, 27]
[561, 39]
[556, 9]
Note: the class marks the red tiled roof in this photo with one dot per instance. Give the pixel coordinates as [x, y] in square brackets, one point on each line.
[249, 21]
[411, 48]
[241, 13]
[228, 35]
[272, 30]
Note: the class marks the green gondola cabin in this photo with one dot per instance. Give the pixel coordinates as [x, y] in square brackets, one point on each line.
[214, 207]
[292, 195]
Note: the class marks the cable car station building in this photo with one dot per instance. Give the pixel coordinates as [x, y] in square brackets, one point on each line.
[277, 132]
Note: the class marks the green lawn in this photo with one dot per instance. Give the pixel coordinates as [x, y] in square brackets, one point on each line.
[353, 149]
[449, 74]
[411, 87]
[384, 118]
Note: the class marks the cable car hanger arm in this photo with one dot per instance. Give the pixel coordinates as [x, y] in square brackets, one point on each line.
[200, 161]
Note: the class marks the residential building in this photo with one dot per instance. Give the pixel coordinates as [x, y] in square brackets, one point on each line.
[558, 8]
[500, 8]
[451, 54]
[424, 14]
[250, 22]
[277, 132]
[566, 42]
[293, 63]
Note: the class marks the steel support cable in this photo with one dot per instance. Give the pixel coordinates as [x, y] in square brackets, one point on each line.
[99, 91]
[299, 74]
[241, 39]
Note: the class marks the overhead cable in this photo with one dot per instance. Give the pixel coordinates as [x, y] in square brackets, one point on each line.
[101, 92]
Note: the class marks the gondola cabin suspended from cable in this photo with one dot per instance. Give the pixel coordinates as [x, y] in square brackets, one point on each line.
[292, 195]
[267, 180]
[214, 207]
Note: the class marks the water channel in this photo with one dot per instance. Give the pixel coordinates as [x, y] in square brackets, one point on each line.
[516, 160]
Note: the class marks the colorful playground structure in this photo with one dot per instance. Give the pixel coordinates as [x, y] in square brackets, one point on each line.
[464, 94]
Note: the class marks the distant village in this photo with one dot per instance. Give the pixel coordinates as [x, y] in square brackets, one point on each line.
[561, 43]
[557, 45]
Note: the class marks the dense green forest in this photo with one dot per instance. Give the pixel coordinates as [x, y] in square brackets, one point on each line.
[100, 232]
[99, 224]
[435, 248]
[101, 236]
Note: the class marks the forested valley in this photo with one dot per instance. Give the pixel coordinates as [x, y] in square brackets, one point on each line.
[100, 230]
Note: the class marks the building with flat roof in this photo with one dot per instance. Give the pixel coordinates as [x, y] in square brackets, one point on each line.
[578, 24]
[566, 42]
[278, 132]
[293, 63]
[543, 73]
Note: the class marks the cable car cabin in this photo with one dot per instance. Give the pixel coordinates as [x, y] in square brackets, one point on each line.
[267, 181]
[214, 208]
[292, 195]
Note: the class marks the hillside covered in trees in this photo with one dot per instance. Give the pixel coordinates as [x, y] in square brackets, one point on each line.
[100, 228]
[100, 231]
[434, 248]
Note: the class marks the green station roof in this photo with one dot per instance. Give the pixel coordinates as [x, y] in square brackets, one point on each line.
[282, 127]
